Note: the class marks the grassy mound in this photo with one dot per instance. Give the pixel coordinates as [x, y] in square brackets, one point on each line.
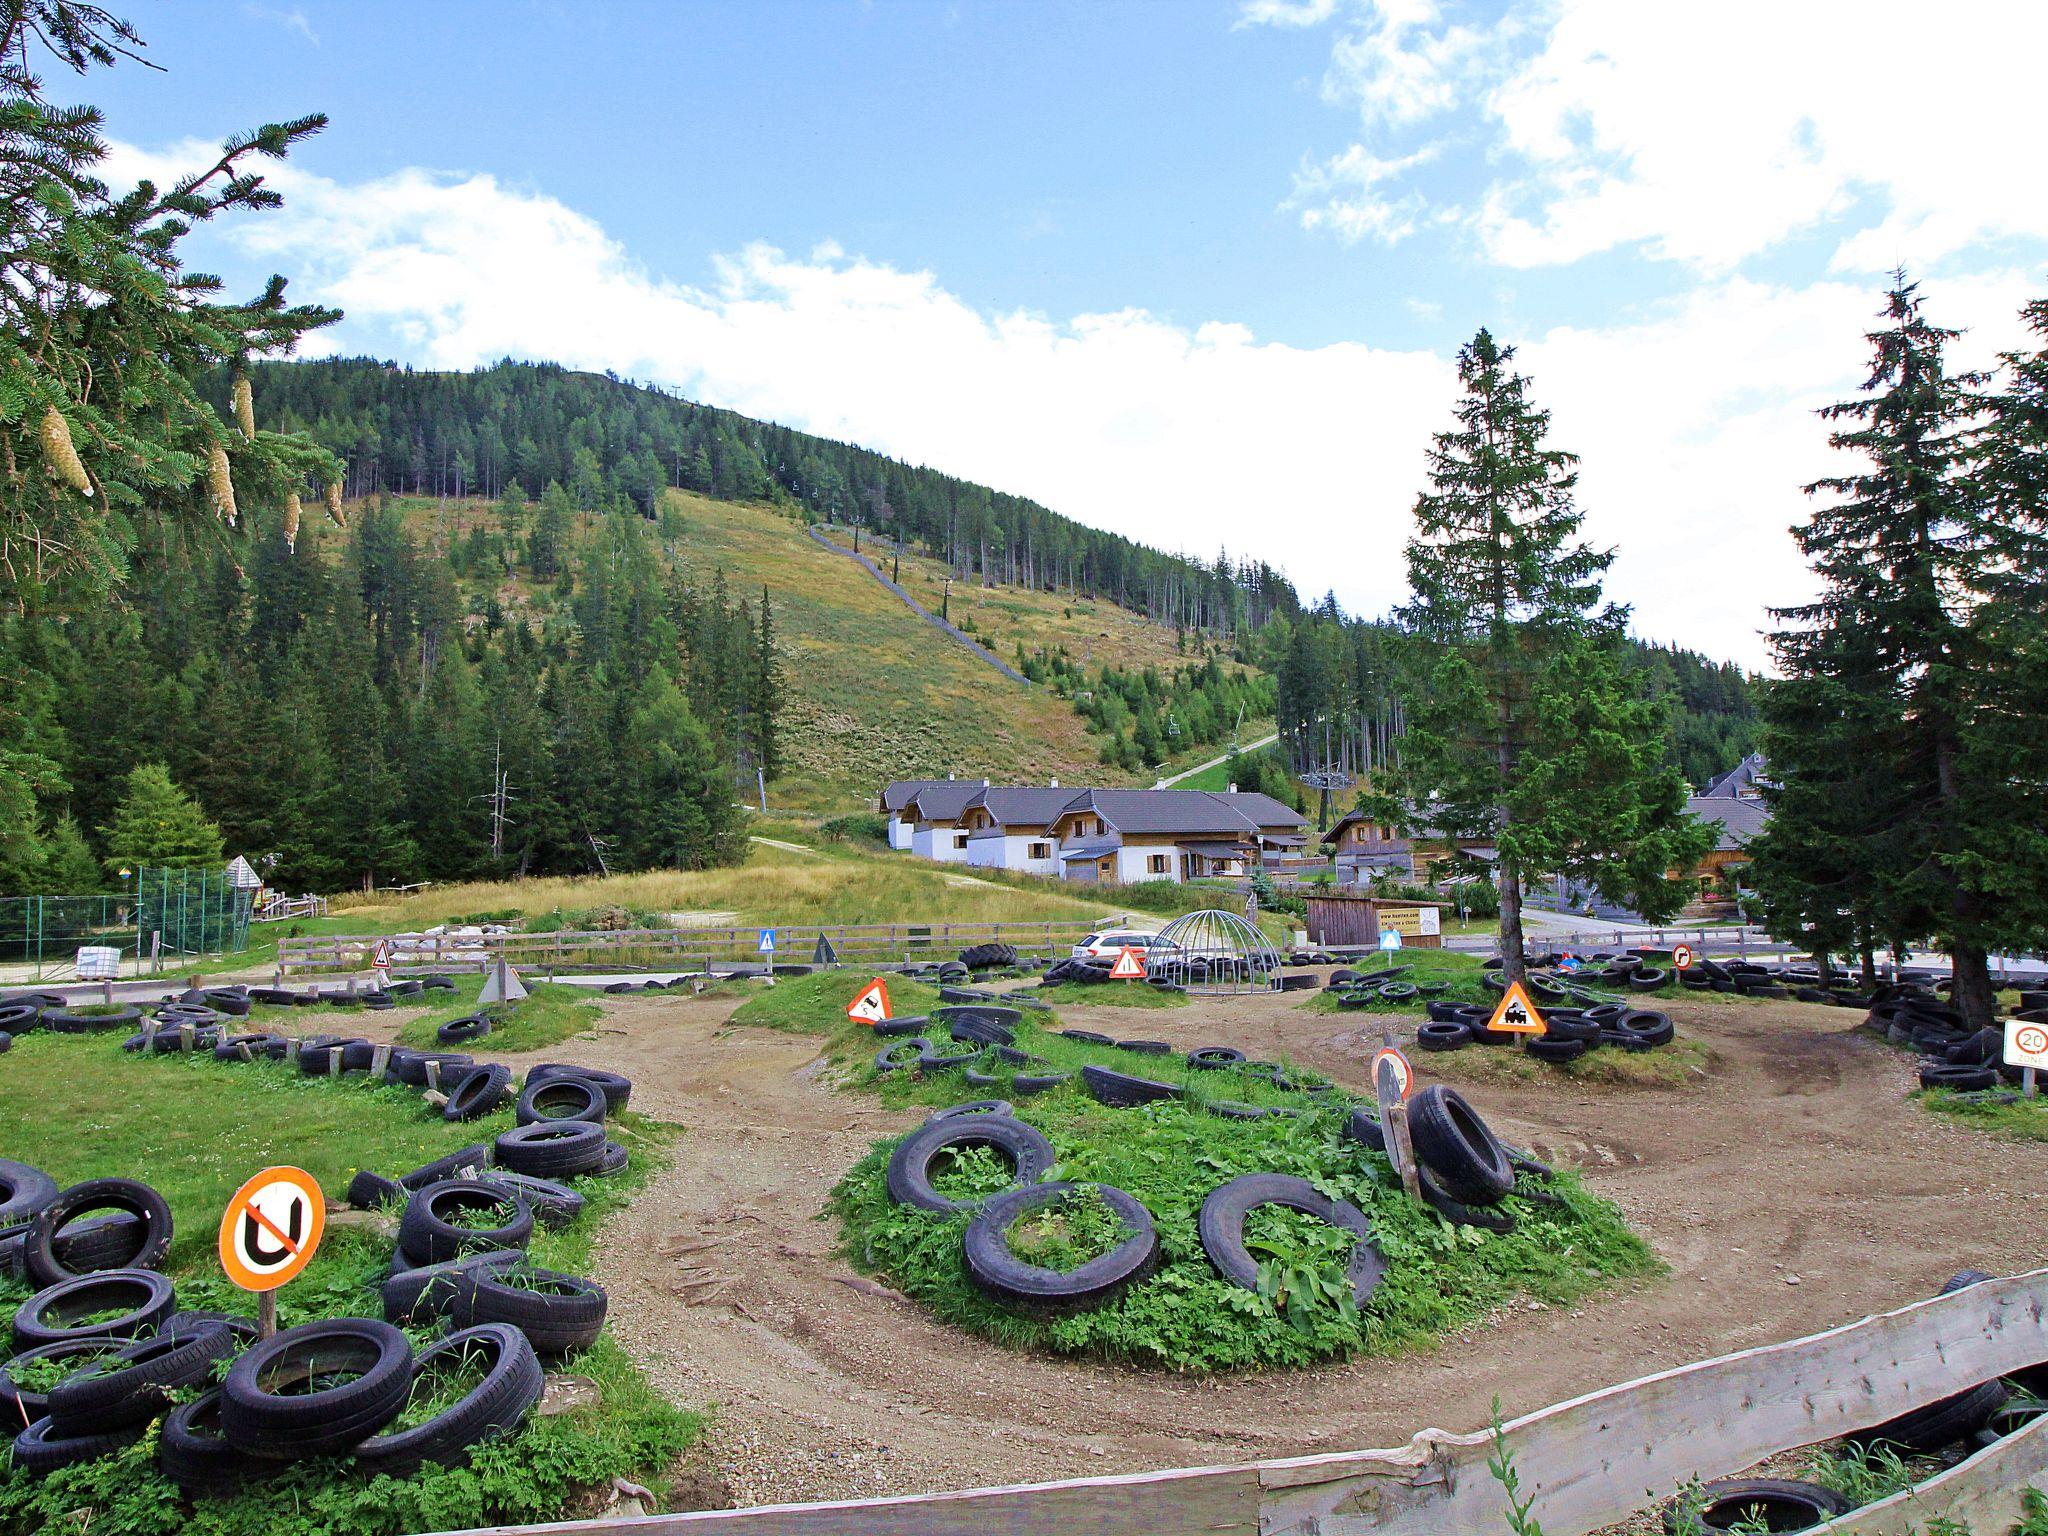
[1170, 1156]
[2021, 1119]
[1069, 994]
[195, 1128]
[546, 1016]
[1681, 1064]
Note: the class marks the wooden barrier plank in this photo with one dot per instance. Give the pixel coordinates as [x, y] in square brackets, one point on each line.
[1586, 1463]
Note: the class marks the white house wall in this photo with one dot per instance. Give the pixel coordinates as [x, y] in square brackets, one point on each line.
[1130, 864]
[900, 834]
[937, 842]
[1014, 852]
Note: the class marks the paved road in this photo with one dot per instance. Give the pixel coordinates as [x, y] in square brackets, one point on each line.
[1188, 773]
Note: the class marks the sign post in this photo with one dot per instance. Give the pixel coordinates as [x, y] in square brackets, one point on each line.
[2026, 1047]
[1516, 1014]
[1390, 943]
[1681, 957]
[1391, 1079]
[1130, 966]
[767, 947]
[871, 1007]
[268, 1235]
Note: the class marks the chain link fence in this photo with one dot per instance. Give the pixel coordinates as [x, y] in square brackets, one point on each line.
[166, 917]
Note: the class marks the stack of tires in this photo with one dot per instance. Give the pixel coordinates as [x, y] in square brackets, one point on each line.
[1388, 984]
[1954, 1057]
[1569, 1032]
[1464, 1169]
[988, 957]
[21, 1012]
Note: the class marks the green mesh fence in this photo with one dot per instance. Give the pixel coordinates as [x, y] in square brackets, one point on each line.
[165, 915]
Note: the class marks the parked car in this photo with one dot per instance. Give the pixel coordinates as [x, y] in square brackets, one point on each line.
[1103, 948]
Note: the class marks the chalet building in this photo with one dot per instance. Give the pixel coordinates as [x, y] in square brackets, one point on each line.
[1106, 835]
[1735, 819]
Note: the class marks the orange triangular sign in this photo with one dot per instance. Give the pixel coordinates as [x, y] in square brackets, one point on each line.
[1128, 967]
[872, 1006]
[1516, 1015]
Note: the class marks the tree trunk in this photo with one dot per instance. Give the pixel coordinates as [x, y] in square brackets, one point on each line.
[1972, 996]
[1512, 969]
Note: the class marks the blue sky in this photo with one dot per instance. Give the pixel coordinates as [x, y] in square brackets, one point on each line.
[1196, 270]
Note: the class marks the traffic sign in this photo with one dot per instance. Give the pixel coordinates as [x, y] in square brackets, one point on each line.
[2026, 1043]
[380, 957]
[872, 1006]
[271, 1228]
[822, 952]
[1390, 938]
[1681, 956]
[1516, 1014]
[767, 944]
[1130, 966]
[1403, 1074]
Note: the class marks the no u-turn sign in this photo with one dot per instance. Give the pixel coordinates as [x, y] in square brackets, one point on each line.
[271, 1228]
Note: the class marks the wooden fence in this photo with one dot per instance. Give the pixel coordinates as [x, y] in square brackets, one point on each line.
[667, 949]
[1585, 1464]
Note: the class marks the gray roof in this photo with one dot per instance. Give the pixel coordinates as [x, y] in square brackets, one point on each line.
[900, 793]
[1029, 806]
[1736, 821]
[944, 800]
[1090, 850]
[1185, 812]
[1745, 775]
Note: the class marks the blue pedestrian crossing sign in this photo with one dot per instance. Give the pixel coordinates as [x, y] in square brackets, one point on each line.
[767, 944]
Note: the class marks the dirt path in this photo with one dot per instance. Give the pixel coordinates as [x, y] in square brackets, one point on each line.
[1795, 1191]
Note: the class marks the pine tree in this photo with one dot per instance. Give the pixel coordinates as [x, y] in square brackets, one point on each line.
[69, 869]
[105, 338]
[1914, 561]
[768, 691]
[675, 792]
[158, 826]
[1526, 730]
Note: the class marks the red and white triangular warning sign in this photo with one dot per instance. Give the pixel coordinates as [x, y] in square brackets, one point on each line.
[1130, 966]
[1516, 1015]
[872, 1006]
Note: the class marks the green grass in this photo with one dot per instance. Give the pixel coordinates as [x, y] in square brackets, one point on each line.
[1459, 975]
[1170, 1156]
[195, 1129]
[819, 1000]
[1074, 1231]
[2022, 1119]
[547, 1015]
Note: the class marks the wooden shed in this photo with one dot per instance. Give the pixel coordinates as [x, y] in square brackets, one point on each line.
[1348, 920]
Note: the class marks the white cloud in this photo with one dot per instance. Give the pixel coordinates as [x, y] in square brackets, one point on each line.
[1341, 195]
[1694, 422]
[1284, 13]
[1402, 63]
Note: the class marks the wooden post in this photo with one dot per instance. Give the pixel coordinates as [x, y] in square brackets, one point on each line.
[266, 1313]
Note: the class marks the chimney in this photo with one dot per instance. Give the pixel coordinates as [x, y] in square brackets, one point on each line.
[1233, 789]
[984, 783]
[949, 773]
[1053, 784]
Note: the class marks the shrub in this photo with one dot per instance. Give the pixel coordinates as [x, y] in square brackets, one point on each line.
[861, 827]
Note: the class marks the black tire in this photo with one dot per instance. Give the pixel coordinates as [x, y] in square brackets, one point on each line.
[909, 1174]
[331, 1416]
[230, 1000]
[463, 1031]
[982, 1025]
[1221, 1226]
[144, 1297]
[1366, 1130]
[470, 1159]
[612, 1161]
[1086, 1037]
[552, 1149]
[19, 1018]
[411, 1068]
[1120, 1090]
[24, 1405]
[618, 1090]
[1648, 979]
[553, 1205]
[368, 1191]
[1454, 1143]
[1776, 1504]
[134, 1385]
[932, 1059]
[898, 1054]
[1212, 1057]
[480, 1092]
[264, 1047]
[908, 1024]
[496, 1407]
[45, 1265]
[558, 1313]
[999, 1272]
[193, 1451]
[1458, 1212]
[1146, 1047]
[1555, 1051]
[562, 1098]
[57, 1021]
[1559, 1024]
[1649, 1027]
[971, 1107]
[1957, 1079]
[424, 1292]
[24, 1190]
[1442, 1035]
[429, 1237]
[40, 1449]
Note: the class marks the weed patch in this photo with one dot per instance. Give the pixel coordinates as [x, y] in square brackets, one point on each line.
[549, 1014]
[2001, 1112]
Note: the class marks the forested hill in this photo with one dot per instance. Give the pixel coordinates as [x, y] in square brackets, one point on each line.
[611, 442]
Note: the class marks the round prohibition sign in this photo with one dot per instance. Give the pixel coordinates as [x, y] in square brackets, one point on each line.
[2031, 1038]
[271, 1228]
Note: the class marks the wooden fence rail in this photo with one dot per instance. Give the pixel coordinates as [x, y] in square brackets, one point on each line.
[669, 949]
[1585, 1463]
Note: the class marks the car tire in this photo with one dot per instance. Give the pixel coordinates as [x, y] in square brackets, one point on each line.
[558, 1313]
[1221, 1228]
[1455, 1144]
[908, 1179]
[429, 1237]
[45, 1265]
[493, 1409]
[140, 1300]
[1001, 1274]
[552, 1149]
[325, 1420]
[1121, 1090]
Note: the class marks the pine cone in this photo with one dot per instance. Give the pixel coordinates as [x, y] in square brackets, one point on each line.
[62, 458]
[333, 493]
[245, 407]
[291, 520]
[219, 484]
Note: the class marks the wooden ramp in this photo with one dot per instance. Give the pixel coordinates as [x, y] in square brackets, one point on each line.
[1586, 1464]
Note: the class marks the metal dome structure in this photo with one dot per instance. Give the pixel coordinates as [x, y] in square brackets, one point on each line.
[1214, 954]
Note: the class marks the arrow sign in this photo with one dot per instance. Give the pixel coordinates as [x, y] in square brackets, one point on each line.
[872, 1006]
[1681, 956]
[1128, 966]
[767, 944]
[822, 953]
[1516, 1014]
